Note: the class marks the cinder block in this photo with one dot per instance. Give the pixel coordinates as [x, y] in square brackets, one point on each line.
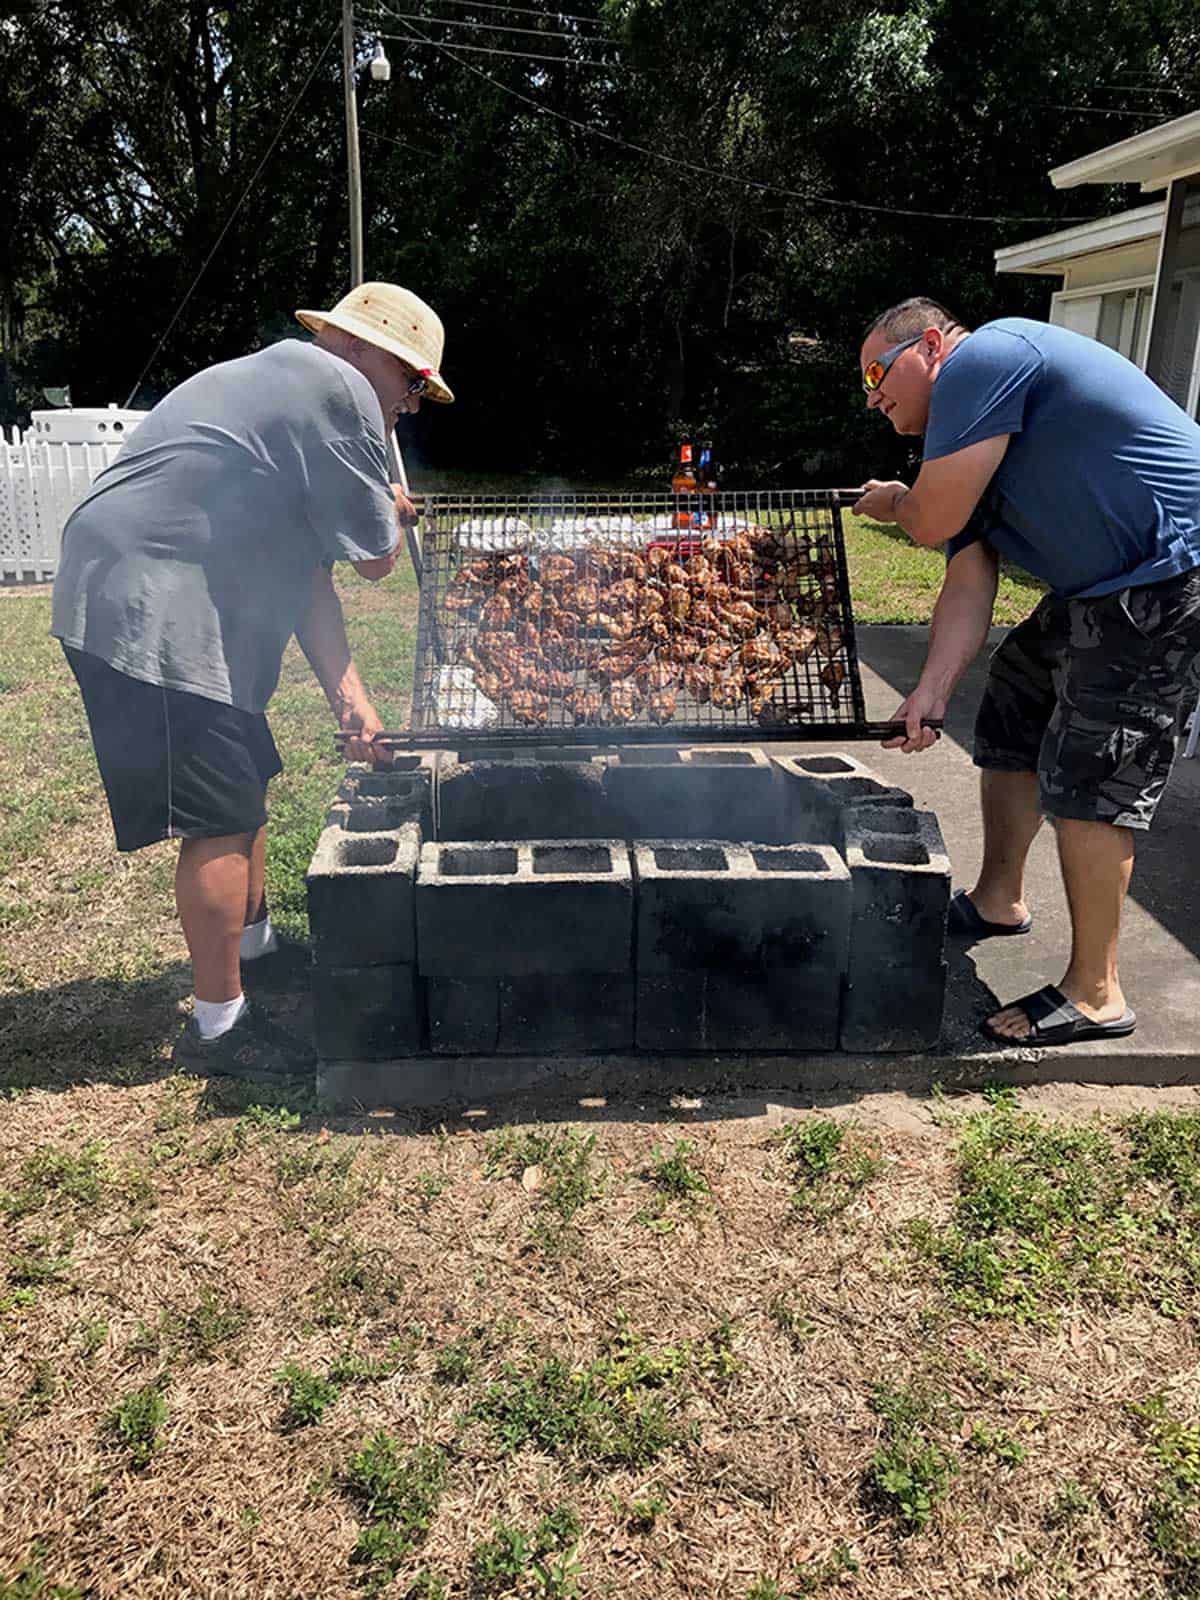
[368, 1013]
[402, 792]
[900, 891]
[695, 792]
[523, 799]
[779, 1009]
[894, 1008]
[720, 907]
[816, 791]
[578, 1015]
[361, 897]
[524, 908]
[464, 1016]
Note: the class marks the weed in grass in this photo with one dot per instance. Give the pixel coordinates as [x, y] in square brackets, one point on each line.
[829, 1165]
[91, 1336]
[307, 1396]
[249, 1518]
[136, 1422]
[40, 1263]
[1071, 1504]
[822, 1573]
[31, 1582]
[911, 1471]
[605, 1414]
[197, 1334]
[676, 1180]
[454, 1362]
[43, 1386]
[430, 1186]
[428, 1586]
[349, 1367]
[560, 1163]
[1042, 1215]
[18, 1300]
[640, 1516]
[788, 1316]
[765, 1589]
[540, 1562]
[398, 1491]
[358, 1283]
[997, 1444]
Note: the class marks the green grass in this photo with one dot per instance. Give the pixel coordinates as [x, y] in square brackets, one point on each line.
[912, 1470]
[397, 1491]
[829, 1165]
[135, 1424]
[894, 580]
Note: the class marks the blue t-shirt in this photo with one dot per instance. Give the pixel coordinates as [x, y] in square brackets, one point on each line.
[1099, 488]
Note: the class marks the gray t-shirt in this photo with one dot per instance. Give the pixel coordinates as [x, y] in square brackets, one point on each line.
[191, 561]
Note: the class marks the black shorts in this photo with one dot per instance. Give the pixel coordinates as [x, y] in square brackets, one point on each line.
[1086, 693]
[174, 765]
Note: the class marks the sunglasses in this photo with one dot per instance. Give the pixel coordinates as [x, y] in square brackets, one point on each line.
[876, 371]
[417, 384]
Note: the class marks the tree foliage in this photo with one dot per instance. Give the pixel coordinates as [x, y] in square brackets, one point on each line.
[683, 230]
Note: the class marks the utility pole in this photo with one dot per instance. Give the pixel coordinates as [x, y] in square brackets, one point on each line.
[354, 168]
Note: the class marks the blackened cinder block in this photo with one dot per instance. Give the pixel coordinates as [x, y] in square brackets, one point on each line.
[900, 891]
[523, 800]
[695, 792]
[361, 897]
[464, 1015]
[524, 908]
[578, 1015]
[719, 907]
[780, 1009]
[401, 792]
[368, 1013]
[815, 792]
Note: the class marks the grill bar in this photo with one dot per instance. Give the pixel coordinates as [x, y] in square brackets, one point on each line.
[404, 740]
[633, 618]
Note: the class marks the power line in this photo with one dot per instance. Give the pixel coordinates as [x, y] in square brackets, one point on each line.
[716, 172]
[291, 111]
[487, 27]
[524, 11]
[405, 144]
[521, 55]
[1101, 111]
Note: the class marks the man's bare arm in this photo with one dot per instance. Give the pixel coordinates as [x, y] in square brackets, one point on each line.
[941, 501]
[959, 629]
[322, 637]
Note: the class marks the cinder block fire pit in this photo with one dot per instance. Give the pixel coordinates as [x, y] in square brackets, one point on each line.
[487, 923]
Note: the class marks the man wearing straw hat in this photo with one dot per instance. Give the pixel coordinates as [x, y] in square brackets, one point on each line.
[185, 572]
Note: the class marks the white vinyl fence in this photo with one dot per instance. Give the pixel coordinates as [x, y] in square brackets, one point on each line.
[41, 482]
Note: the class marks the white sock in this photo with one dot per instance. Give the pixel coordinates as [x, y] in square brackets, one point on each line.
[258, 940]
[215, 1017]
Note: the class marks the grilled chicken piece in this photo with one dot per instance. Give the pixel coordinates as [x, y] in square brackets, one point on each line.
[728, 691]
[650, 602]
[653, 676]
[833, 675]
[681, 650]
[797, 643]
[557, 569]
[657, 560]
[716, 655]
[621, 595]
[679, 600]
[661, 705]
[609, 669]
[760, 653]
[740, 616]
[698, 681]
[625, 701]
[497, 612]
[675, 573]
[829, 640]
[529, 707]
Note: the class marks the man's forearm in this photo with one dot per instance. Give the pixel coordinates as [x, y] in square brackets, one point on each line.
[322, 637]
[957, 633]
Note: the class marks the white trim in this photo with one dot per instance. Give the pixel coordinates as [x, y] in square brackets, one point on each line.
[1046, 253]
[1149, 158]
[1113, 287]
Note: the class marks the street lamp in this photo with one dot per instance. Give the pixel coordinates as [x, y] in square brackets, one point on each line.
[381, 67]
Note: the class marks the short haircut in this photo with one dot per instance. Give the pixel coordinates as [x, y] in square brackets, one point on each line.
[911, 317]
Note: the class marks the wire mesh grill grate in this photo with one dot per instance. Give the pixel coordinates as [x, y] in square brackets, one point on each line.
[590, 618]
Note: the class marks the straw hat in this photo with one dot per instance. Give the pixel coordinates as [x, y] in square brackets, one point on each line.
[397, 321]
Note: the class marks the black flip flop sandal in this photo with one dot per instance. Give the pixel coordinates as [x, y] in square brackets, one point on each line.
[963, 921]
[1054, 1020]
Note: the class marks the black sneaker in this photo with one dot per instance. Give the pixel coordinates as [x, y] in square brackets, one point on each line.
[255, 1047]
[282, 970]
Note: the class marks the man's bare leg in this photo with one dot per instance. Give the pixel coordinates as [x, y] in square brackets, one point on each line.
[1097, 863]
[1011, 819]
[212, 887]
[256, 895]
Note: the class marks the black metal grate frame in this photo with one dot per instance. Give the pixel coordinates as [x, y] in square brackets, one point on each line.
[617, 618]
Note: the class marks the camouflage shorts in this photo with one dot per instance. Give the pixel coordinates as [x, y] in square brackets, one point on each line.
[1086, 693]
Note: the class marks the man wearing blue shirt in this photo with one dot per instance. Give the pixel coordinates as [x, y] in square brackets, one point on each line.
[1050, 449]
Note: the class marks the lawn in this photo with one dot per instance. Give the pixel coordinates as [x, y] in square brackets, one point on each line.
[904, 1348]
